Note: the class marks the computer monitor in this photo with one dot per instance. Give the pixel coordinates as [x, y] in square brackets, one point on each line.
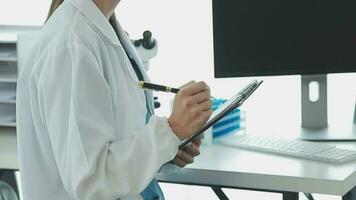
[286, 37]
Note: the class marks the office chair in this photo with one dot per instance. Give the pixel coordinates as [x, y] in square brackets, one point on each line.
[6, 192]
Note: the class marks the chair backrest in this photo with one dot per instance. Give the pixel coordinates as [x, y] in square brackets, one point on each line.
[6, 192]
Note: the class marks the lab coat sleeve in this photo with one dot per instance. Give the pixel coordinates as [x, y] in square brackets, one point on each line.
[78, 112]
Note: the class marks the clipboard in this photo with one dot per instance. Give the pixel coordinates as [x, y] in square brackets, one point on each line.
[234, 102]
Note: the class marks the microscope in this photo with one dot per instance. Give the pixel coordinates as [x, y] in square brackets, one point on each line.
[147, 49]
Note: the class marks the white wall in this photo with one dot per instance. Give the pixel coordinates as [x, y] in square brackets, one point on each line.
[184, 33]
[23, 12]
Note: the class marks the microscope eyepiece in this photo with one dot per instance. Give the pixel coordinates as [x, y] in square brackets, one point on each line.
[148, 42]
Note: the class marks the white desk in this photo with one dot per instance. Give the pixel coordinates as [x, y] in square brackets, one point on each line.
[234, 168]
[222, 166]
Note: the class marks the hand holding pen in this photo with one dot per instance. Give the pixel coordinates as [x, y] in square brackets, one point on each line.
[162, 88]
[191, 107]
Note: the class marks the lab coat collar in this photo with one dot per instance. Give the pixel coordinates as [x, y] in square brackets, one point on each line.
[131, 51]
[91, 11]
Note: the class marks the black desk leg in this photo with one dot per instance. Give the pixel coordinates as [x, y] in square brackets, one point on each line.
[290, 196]
[218, 191]
[351, 195]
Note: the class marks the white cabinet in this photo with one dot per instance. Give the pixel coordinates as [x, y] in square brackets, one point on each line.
[9, 74]
[8, 79]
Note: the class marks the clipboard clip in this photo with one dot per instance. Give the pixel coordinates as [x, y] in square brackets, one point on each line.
[248, 90]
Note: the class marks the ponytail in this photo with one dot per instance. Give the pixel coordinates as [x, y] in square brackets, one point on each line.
[56, 3]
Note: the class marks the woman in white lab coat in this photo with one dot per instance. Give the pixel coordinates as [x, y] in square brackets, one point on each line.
[85, 129]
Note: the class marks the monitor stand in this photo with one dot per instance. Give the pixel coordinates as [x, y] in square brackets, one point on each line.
[315, 125]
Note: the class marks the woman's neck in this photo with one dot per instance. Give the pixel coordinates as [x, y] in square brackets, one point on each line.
[107, 7]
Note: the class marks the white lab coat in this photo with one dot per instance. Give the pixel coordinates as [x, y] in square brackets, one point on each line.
[81, 116]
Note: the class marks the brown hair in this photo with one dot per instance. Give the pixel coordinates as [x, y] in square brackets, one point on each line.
[56, 3]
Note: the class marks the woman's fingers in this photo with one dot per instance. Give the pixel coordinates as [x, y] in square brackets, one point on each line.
[192, 149]
[179, 162]
[186, 157]
[187, 84]
[197, 141]
[187, 154]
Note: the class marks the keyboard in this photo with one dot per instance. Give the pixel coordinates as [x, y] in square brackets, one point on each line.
[295, 148]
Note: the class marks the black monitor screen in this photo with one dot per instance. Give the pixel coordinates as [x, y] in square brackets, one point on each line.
[283, 37]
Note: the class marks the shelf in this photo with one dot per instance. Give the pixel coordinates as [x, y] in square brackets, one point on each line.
[8, 59]
[8, 78]
[7, 52]
[6, 130]
[8, 92]
[8, 101]
[8, 56]
[8, 66]
[7, 114]
[8, 38]
[7, 124]
[8, 73]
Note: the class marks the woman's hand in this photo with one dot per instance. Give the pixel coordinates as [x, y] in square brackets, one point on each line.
[191, 109]
[186, 155]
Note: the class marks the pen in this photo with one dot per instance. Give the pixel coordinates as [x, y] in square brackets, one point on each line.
[162, 88]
